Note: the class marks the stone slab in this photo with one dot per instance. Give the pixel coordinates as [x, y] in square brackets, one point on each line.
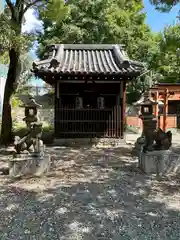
[26, 165]
[159, 162]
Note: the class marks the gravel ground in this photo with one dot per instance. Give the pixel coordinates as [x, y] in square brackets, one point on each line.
[90, 194]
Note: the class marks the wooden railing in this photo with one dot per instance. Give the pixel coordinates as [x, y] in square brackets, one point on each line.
[88, 122]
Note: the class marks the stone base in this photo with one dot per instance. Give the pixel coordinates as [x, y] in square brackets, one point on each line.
[159, 162]
[27, 165]
[138, 146]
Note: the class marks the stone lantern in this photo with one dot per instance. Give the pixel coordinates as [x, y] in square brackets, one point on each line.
[149, 120]
[31, 110]
[146, 104]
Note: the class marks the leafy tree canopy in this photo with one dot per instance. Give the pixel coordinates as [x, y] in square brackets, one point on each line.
[164, 5]
[17, 43]
[167, 61]
[102, 21]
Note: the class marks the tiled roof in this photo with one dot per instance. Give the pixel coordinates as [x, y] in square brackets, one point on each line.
[87, 59]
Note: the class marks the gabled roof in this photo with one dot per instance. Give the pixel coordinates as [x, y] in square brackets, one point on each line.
[87, 59]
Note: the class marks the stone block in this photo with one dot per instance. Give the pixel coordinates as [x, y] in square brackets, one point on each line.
[159, 162]
[27, 165]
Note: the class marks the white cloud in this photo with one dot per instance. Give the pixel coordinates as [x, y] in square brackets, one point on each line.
[32, 24]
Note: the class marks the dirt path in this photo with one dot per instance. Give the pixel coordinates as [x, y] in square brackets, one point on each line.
[91, 194]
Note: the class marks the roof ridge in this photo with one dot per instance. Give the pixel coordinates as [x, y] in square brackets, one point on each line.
[87, 46]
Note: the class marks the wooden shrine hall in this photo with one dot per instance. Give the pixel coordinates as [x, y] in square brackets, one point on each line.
[90, 88]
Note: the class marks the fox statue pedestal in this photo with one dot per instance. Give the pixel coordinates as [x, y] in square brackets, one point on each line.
[161, 162]
[28, 165]
[153, 147]
[29, 158]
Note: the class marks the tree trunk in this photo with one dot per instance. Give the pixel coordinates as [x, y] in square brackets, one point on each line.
[6, 129]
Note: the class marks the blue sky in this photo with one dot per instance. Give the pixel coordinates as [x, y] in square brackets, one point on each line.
[157, 20]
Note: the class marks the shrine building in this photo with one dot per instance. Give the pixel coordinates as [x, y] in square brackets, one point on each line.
[169, 113]
[167, 110]
[90, 88]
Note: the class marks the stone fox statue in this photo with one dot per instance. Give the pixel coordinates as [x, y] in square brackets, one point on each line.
[163, 140]
[158, 140]
[32, 137]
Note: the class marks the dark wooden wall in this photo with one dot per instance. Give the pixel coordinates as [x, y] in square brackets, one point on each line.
[89, 120]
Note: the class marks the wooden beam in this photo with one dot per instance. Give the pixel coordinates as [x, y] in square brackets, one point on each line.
[162, 90]
[121, 110]
[70, 76]
[88, 82]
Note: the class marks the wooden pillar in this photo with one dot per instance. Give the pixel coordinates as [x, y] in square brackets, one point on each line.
[165, 109]
[56, 109]
[124, 103]
[156, 110]
[156, 98]
[121, 109]
[57, 89]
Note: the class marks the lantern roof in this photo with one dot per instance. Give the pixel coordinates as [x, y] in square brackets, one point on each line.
[31, 103]
[146, 100]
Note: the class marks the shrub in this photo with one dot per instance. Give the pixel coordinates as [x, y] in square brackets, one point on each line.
[15, 102]
[20, 129]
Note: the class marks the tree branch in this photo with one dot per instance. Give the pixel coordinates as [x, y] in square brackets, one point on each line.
[10, 5]
[30, 5]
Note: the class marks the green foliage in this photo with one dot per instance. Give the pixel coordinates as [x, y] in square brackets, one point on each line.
[54, 10]
[163, 59]
[11, 36]
[164, 5]
[101, 21]
[12, 18]
[20, 129]
[4, 58]
[15, 102]
[167, 58]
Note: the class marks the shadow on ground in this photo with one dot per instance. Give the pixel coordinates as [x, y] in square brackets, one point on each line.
[90, 194]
